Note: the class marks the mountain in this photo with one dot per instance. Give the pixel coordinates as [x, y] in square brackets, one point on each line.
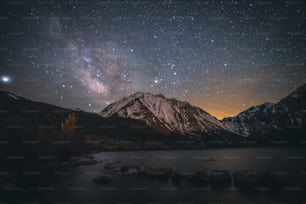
[170, 116]
[145, 120]
[288, 116]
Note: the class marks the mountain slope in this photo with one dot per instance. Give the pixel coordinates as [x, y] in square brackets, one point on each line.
[168, 115]
[288, 115]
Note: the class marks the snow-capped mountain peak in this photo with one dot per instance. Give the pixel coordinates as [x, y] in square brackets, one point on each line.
[166, 114]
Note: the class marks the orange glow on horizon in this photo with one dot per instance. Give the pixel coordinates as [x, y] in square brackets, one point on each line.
[221, 114]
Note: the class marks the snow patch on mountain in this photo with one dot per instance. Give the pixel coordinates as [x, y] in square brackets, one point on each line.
[13, 96]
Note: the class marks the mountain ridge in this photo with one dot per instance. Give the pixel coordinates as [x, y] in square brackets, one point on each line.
[170, 116]
[288, 113]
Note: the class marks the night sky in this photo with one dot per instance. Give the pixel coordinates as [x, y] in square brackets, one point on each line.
[223, 56]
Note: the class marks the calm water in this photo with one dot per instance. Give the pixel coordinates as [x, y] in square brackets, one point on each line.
[75, 184]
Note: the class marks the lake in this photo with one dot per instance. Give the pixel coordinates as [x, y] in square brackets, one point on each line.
[75, 184]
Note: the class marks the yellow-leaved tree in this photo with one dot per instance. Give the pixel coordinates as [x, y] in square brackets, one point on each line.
[70, 144]
[69, 125]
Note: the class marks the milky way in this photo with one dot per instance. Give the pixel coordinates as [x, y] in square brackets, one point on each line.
[223, 56]
[104, 71]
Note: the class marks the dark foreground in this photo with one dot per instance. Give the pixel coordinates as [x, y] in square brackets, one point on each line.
[257, 175]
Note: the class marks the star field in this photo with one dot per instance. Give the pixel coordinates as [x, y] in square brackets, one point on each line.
[223, 56]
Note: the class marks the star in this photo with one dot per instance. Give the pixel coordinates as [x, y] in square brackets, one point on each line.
[6, 79]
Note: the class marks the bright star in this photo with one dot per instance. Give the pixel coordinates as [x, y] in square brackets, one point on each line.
[6, 79]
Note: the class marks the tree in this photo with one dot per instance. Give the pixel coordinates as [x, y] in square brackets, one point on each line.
[69, 135]
[69, 125]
